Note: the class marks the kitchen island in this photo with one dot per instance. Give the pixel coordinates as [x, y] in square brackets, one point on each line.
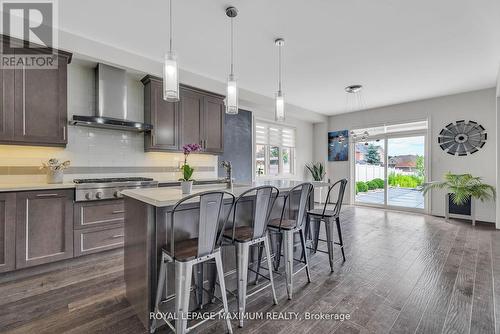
[147, 226]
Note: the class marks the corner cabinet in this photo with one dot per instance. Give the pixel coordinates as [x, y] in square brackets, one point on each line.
[44, 230]
[7, 231]
[34, 102]
[197, 118]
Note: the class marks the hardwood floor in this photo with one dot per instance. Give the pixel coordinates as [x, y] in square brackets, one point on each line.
[405, 273]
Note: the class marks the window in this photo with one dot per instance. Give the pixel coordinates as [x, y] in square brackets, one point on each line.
[274, 150]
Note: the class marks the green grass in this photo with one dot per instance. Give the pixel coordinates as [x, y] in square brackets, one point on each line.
[405, 181]
[395, 180]
[361, 187]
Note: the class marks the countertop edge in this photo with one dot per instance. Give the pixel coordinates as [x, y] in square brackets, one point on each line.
[32, 187]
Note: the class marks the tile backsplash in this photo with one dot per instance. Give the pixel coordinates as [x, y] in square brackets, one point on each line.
[120, 151]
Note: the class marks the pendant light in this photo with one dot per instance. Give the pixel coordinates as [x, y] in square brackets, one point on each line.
[280, 101]
[170, 70]
[355, 100]
[232, 85]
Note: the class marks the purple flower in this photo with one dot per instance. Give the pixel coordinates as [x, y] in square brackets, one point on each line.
[189, 148]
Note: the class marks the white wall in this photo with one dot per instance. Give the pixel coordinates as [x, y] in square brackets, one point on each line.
[498, 148]
[320, 148]
[479, 106]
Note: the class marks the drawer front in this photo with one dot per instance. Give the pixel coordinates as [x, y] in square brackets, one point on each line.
[90, 214]
[94, 240]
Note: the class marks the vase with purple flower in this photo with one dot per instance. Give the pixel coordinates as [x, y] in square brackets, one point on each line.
[187, 171]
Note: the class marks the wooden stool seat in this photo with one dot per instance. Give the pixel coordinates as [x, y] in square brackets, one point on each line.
[286, 224]
[241, 234]
[185, 250]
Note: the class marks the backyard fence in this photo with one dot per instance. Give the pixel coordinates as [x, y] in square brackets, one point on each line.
[369, 172]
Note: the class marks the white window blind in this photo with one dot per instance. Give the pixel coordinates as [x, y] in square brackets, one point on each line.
[275, 135]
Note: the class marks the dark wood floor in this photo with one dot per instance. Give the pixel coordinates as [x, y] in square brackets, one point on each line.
[405, 273]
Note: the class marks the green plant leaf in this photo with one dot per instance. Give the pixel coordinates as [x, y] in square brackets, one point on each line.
[463, 187]
[187, 172]
[317, 171]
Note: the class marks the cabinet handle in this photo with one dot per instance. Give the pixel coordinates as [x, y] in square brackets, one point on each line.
[64, 132]
[118, 211]
[117, 236]
[24, 101]
[47, 195]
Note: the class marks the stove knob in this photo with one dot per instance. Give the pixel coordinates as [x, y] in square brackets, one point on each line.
[88, 196]
[117, 194]
[98, 195]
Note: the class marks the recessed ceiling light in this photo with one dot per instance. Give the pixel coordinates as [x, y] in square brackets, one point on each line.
[353, 88]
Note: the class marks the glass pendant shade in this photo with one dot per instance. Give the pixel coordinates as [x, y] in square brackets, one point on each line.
[280, 107]
[232, 96]
[170, 78]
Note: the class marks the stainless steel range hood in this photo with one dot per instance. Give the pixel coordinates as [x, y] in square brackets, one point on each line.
[111, 103]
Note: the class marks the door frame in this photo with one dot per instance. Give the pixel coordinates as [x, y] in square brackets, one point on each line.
[385, 137]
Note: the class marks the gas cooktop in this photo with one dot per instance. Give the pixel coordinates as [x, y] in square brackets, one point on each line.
[109, 187]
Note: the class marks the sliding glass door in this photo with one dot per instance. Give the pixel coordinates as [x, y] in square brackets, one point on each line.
[389, 168]
[370, 172]
[406, 171]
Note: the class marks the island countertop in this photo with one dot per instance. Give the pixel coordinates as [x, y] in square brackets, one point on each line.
[164, 197]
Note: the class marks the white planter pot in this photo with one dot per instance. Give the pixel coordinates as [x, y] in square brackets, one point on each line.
[186, 186]
[55, 176]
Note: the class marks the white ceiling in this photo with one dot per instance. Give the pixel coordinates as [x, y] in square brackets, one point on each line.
[400, 50]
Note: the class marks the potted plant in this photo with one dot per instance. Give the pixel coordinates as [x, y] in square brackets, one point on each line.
[187, 171]
[462, 189]
[318, 173]
[55, 170]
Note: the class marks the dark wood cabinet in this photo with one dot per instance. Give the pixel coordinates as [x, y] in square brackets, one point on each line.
[44, 227]
[7, 231]
[163, 115]
[214, 125]
[34, 102]
[191, 106]
[98, 226]
[7, 104]
[197, 118]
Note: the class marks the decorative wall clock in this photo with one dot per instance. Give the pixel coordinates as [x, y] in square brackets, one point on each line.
[462, 138]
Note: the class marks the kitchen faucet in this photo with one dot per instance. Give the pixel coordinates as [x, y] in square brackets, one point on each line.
[229, 172]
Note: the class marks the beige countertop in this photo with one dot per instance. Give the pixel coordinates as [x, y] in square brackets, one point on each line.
[7, 187]
[163, 197]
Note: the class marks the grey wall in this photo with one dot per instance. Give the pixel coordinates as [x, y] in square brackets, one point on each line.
[478, 106]
[238, 145]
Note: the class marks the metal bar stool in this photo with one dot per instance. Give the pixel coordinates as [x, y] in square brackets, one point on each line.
[327, 216]
[287, 227]
[242, 236]
[185, 254]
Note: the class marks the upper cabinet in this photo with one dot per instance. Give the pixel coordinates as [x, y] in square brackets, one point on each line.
[197, 118]
[163, 115]
[34, 103]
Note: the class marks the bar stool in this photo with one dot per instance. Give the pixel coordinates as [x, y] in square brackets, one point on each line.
[185, 254]
[327, 216]
[287, 227]
[242, 236]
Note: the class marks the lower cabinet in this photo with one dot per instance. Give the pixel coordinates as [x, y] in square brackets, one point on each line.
[44, 227]
[40, 227]
[98, 226]
[7, 231]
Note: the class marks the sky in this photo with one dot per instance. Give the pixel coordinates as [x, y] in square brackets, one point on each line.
[404, 146]
[410, 145]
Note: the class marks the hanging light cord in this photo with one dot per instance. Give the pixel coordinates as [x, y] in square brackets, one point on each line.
[279, 68]
[232, 46]
[170, 13]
